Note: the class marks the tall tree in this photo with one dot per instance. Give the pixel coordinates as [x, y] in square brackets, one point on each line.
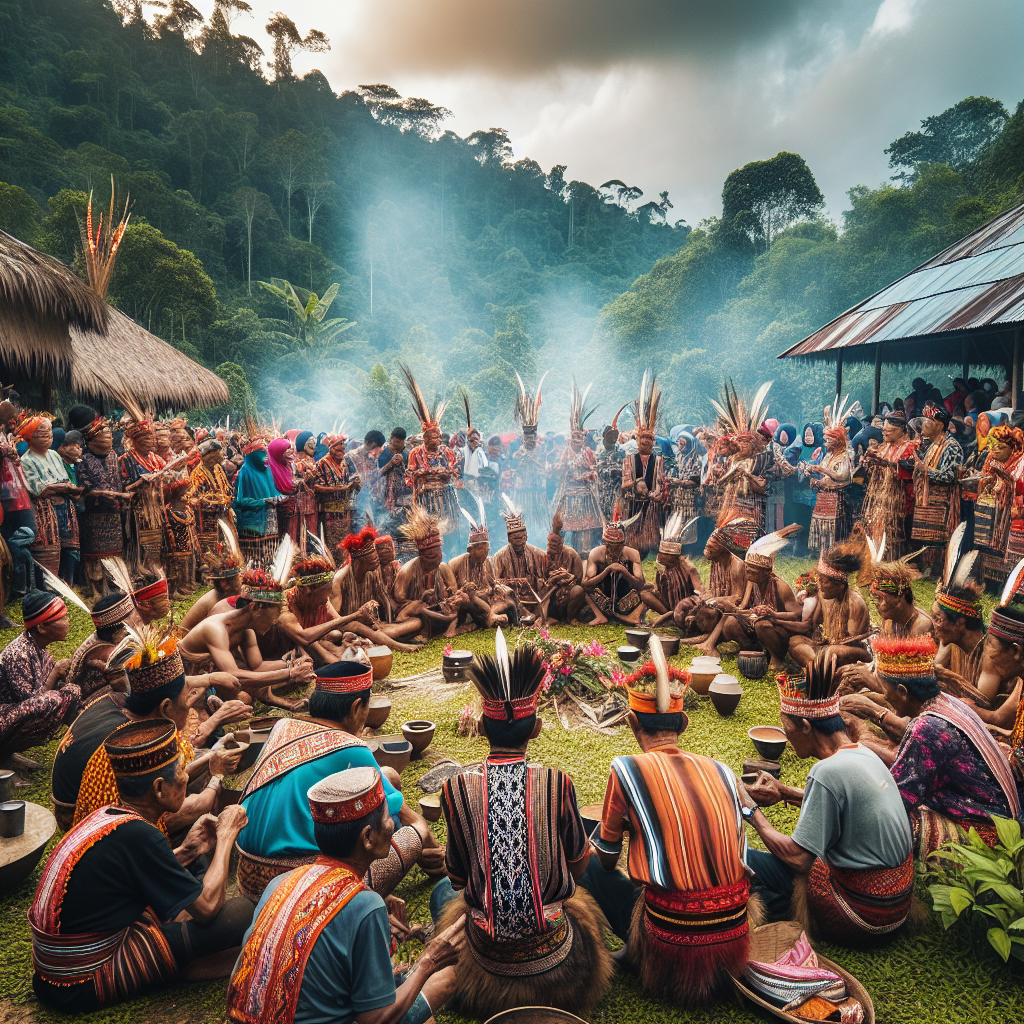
[288, 42]
[289, 153]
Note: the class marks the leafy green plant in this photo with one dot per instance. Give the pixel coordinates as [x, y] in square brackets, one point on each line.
[985, 885]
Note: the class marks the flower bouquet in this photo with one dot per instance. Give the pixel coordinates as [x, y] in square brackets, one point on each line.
[581, 668]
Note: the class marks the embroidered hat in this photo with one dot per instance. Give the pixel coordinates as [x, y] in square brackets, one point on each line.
[155, 666]
[344, 677]
[795, 697]
[113, 613]
[142, 748]
[907, 661]
[734, 532]
[1007, 622]
[345, 796]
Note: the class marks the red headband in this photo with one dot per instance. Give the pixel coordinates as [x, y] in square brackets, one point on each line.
[350, 808]
[56, 609]
[152, 590]
[522, 707]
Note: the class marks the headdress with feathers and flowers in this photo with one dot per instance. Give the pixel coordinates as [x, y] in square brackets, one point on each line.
[812, 693]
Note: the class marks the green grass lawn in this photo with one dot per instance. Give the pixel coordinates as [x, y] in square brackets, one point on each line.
[929, 978]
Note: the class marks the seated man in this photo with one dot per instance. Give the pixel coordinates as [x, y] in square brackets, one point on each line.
[157, 692]
[950, 772]
[279, 835]
[682, 912]
[152, 597]
[425, 587]
[308, 620]
[1004, 660]
[35, 697]
[769, 615]
[341, 970]
[88, 669]
[851, 851]
[224, 574]
[520, 566]
[959, 625]
[562, 597]
[515, 847]
[841, 622]
[894, 599]
[364, 600]
[487, 600]
[227, 642]
[614, 579]
[727, 579]
[677, 587]
[115, 911]
[389, 564]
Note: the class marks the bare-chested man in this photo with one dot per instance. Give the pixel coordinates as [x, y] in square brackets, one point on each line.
[224, 583]
[727, 580]
[362, 598]
[614, 579]
[563, 596]
[227, 642]
[308, 619]
[521, 567]
[894, 599]
[841, 621]
[488, 601]
[425, 587]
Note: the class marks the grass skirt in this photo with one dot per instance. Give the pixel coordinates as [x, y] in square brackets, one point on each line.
[575, 983]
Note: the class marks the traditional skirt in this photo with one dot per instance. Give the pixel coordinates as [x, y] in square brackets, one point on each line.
[645, 533]
[67, 524]
[258, 550]
[256, 873]
[935, 520]
[854, 907]
[443, 503]
[151, 543]
[985, 514]
[828, 521]
[567, 967]
[336, 517]
[46, 547]
[932, 830]
[102, 534]
[684, 502]
[687, 944]
[579, 508]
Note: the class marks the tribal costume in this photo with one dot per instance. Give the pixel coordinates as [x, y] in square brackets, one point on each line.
[335, 504]
[56, 520]
[255, 515]
[212, 496]
[609, 479]
[146, 504]
[86, 671]
[431, 476]
[576, 498]
[102, 533]
[832, 516]
[529, 487]
[889, 495]
[523, 573]
[998, 500]
[686, 469]
[181, 539]
[936, 489]
[645, 534]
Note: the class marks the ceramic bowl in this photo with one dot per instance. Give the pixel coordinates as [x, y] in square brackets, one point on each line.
[769, 741]
[628, 653]
[430, 806]
[670, 645]
[752, 664]
[535, 1015]
[381, 659]
[455, 666]
[380, 709]
[20, 855]
[419, 732]
[725, 692]
[638, 638]
[591, 815]
[702, 673]
[393, 752]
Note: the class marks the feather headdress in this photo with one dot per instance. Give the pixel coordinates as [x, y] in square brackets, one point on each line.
[888, 577]
[150, 656]
[645, 408]
[763, 550]
[430, 418]
[674, 534]
[1007, 622]
[841, 560]
[739, 416]
[512, 514]
[362, 544]
[59, 587]
[226, 559]
[579, 411]
[421, 527]
[465, 404]
[959, 592]
[527, 410]
[477, 527]
[835, 417]
[813, 693]
[508, 685]
[661, 699]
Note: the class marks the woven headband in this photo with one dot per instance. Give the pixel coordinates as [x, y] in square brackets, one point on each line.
[1002, 627]
[510, 711]
[152, 590]
[347, 808]
[117, 612]
[957, 605]
[824, 569]
[56, 609]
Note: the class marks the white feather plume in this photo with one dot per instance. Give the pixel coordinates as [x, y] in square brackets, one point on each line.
[504, 666]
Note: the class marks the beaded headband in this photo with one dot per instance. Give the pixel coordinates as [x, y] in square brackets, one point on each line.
[332, 803]
[344, 677]
[313, 572]
[1003, 627]
[522, 707]
[905, 660]
[260, 586]
[670, 547]
[115, 613]
[957, 605]
[793, 699]
[142, 748]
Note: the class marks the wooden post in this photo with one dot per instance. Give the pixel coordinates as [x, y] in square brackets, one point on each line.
[46, 393]
[839, 373]
[1017, 383]
[876, 392]
[965, 361]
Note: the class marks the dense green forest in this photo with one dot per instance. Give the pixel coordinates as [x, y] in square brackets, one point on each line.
[252, 188]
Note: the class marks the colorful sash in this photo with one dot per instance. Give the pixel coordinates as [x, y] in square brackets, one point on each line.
[951, 710]
[268, 981]
[698, 918]
[119, 963]
[846, 903]
[291, 744]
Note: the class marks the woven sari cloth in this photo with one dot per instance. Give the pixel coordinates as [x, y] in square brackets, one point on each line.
[851, 907]
[266, 985]
[118, 963]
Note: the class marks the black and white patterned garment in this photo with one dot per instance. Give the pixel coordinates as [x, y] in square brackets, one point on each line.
[512, 892]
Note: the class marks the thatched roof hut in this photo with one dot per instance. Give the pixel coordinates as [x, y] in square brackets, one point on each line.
[55, 328]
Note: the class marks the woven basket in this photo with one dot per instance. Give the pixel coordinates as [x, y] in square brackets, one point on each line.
[767, 944]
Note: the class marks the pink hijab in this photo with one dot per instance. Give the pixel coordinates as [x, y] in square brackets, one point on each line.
[284, 481]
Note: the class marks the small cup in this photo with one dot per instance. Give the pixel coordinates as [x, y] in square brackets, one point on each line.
[12, 819]
[6, 785]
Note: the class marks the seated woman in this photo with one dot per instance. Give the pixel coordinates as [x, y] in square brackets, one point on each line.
[116, 912]
[35, 698]
[341, 969]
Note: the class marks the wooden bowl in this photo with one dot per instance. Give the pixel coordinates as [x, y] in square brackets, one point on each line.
[430, 806]
[670, 645]
[752, 664]
[628, 653]
[767, 944]
[20, 855]
[393, 752]
[419, 733]
[535, 1015]
[591, 815]
[638, 638]
[753, 765]
[725, 693]
[381, 659]
[380, 710]
[769, 741]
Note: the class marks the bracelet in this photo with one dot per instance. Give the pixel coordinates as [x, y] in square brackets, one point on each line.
[880, 717]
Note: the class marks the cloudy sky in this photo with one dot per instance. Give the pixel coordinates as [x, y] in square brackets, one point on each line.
[674, 94]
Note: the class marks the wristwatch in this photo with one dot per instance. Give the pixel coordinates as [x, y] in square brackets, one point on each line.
[747, 812]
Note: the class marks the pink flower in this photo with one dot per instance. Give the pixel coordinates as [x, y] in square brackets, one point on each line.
[595, 650]
[566, 670]
[545, 633]
[447, 649]
[617, 677]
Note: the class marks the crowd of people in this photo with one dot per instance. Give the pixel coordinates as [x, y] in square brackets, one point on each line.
[314, 548]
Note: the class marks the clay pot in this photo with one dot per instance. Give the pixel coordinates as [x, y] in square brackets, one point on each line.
[419, 733]
[393, 752]
[20, 855]
[670, 645]
[752, 664]
[380, 709]
[628, 653]
[638, 638]
[702, 673]
[381, 658]
[725, 693]
[455, 666]
[430, 806]
[769, 741]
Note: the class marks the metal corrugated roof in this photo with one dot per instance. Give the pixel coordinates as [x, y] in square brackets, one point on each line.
[977, 282]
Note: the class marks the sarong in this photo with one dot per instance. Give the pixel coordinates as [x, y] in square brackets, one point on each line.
[687, 944]
[935, 520]
[852, 907]
[443, 503]
[828, 521]
[45, 548]
[102, 535]
[336, 517]
[67, 524]
[932, 830]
